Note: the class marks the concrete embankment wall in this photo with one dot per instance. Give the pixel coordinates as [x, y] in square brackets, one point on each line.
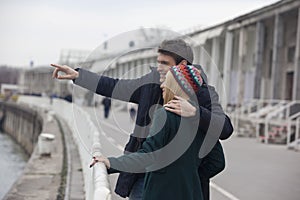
[22, 123]
[42, 177]
[86, 137]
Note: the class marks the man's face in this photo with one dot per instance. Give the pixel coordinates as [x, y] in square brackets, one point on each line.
[164, 63]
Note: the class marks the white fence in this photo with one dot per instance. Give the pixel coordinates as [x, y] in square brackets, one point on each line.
[86, 136]
[269, 117]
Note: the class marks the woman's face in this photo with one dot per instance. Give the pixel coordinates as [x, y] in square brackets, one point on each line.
[166, 92]
[163, 87]
[170, 87]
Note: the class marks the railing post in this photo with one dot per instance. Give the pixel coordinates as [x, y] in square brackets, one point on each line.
[297, 128]
[288, 111]
[289, 129]
[237, 121]
[257, 131]
[266, 131]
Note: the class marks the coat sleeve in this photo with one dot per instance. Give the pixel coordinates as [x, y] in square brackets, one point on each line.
[212, 117]
[122, 89]
[213, 163]
[139, 161]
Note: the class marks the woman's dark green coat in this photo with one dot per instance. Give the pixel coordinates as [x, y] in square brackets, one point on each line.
[170, 159]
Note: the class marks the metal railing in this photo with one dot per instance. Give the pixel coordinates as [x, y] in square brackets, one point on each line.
[254, 111]
[282, 121]
[281, 116]
[294, 120]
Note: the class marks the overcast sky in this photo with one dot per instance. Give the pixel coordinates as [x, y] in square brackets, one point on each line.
[39, 30]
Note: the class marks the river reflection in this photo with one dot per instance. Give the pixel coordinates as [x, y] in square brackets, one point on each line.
[12, 163]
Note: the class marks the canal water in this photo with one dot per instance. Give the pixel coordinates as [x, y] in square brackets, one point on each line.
[12, 163]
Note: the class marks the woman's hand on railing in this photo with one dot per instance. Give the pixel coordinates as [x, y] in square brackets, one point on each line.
[100, 159]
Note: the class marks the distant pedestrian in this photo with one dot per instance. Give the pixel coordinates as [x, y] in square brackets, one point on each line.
[132, 108]
[106, 103]
[52, 96]
[68, 98]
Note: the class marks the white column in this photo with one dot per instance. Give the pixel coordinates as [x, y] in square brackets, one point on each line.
[296, 86]
[110, 74]
[139, 68]
[143, 61]
[131, 70]
[215, 56]
[203, 59]
[197, 50]
[125, 70]
[258, 62]
[113, 72]
[118, 68]
[121, 70]
[227, 67]
[135, 69]
[276, 85]
[143, 67]
[240, 87]
[116, 71]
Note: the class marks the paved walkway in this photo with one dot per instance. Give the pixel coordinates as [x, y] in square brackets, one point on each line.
[253, 170]
[75, 189]
[259, 171]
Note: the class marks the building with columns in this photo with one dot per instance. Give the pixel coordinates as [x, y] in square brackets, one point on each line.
[254, 56]
[253, 61]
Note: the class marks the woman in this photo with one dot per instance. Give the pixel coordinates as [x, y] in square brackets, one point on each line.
[169, 156]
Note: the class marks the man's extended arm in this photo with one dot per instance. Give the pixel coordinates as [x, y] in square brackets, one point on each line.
[122, 89]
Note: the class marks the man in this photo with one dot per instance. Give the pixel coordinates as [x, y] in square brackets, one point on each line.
[106, 102]
[146, 92]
